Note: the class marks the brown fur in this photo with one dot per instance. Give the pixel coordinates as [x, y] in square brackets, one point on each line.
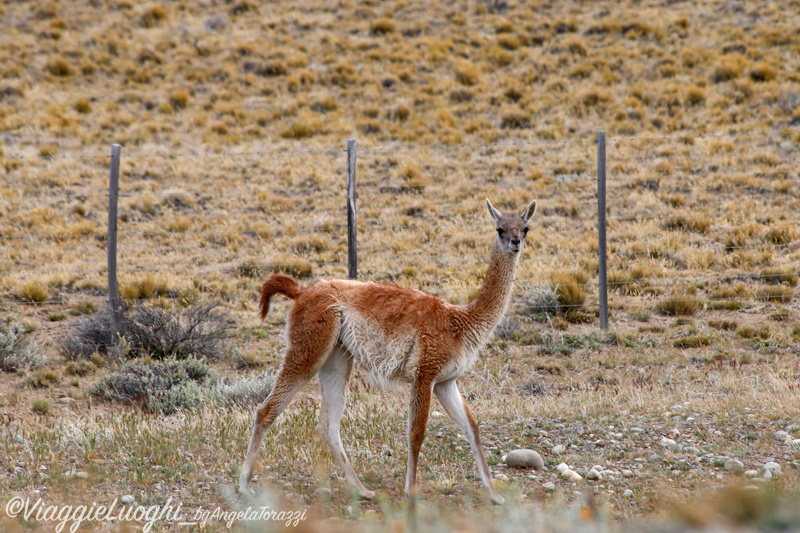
[399, 334]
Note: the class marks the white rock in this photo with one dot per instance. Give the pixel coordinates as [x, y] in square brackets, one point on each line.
[795, 442]
[549, 486]
[558, 449]
[501, 477]
[127, 499]
[594, 474]
[562, 468]
[666, 443]
[750, 473]
[792, 427]
[598, 468]
[734, 465]
[767, 474]
[81, 475]
[524, 459]
[627, 494]
[569, 475]
[782, 436]
[627, 473]
[636, 430]
[691, 449]
[676, 408]
[772, 466]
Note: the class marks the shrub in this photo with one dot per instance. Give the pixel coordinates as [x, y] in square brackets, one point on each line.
[15, 353]
[34, 292]
[147, 330]
[41, 406]
[179, 99]
[248, 391]
[776, 293]
[569, 288]
[680, 304]
[467, 73]
[153, 16]
[162, 387]
[382, 26]
[295, 267]
[83, 106]
[58, 66]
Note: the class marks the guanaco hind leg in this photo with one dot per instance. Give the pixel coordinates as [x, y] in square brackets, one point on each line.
[333, 378]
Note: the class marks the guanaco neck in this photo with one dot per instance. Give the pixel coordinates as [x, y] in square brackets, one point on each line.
[486, 310]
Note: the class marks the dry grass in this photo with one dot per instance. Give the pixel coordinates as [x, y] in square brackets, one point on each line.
[245, 80]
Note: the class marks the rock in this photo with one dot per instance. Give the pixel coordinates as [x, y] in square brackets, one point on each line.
[674, 434]
[773, 467]
[558, 449]
[562, 468]
[594, 475]
[18, 438]
[287, 486]
[66, 400]
[501, 477]
[81, 475]
[791, 427]
[655, 458]
[750, 473]
[666, 443]
[549, 486]
[635, 430]
[524, 459]
[734, 465]
[782, 436]
[127, 499]
[322, 494]
[627, 494]
[767, 474]
[677, 408]
[627, 473]
[691, 449]
[569, 475]
[795, 442]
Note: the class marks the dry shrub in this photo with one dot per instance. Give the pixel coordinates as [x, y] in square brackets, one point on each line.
[382, 26]
[467, 73]
[782, 233]
[59, 66]
[728, 68]
[695, 95]
[774, 276]
[83, 106]
[515, 119]
[763, 72]
[697, 224]
[776, 293]
[681, 303]
[34, 292]
[569, 286]
[153, 16]
[291, 266]
[508, 41]
[179, 98]
[146, 288]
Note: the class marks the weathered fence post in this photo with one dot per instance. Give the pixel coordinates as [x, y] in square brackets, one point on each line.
[352, 254]
[602, 263]
[113, 195]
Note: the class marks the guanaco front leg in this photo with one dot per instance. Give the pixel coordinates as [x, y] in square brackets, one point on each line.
[456, 407]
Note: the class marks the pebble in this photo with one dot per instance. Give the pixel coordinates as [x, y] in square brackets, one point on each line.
[676, 408]
[549, 486]
[691, 449]
[501, 477]
[796, 442]
[792, 427]
[635, 430]
[655, 458]
[627, 473]
[773, 467]
[81, 475]
[127, 499]
[559, 449]
[322, 494]
[524, 459]
[781, 436]
[734, 465]
[665, 442]
[569, 475]
[627, 494]
[562, 468]
[66, 400]
[767, 474]
[750, 473]
[594, 474]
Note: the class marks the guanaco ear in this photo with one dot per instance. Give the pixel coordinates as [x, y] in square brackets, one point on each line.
[529, 212]
[492, 211]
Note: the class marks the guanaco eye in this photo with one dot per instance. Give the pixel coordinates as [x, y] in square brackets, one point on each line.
[500, 231]
[525, 231]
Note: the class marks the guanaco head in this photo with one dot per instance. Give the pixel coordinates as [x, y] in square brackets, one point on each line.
[511, 229]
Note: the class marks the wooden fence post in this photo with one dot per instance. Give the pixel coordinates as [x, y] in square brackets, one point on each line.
[113, 195]
[352, 253]
[601, 229]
